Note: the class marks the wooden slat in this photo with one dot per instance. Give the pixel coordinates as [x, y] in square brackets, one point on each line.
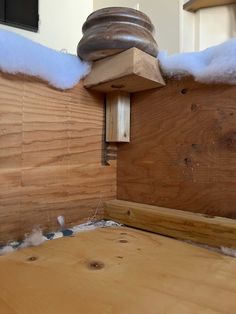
[118, 271]
[51, 152]
[131, 71]
[118, 117]
[183, 149]
[215, 231]
[194, 5]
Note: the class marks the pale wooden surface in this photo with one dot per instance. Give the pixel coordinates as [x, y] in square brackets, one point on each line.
[118, 117]
[51, 151]
[131, 71]
[213, 231]
[117, 271]
[194, 5]
[183, 149]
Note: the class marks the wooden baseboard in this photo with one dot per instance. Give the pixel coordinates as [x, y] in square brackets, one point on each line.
[214, 231]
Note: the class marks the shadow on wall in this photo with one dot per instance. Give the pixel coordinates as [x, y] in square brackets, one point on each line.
[232, 25]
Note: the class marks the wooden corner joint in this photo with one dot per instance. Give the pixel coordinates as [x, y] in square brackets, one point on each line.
[130, 71]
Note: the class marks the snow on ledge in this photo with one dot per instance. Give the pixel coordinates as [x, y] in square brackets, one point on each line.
[216, 64]
[21, 55]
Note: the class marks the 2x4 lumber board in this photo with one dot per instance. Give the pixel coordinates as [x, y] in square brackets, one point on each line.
[118, 271]
[132, 70]
[194, 5]
[118, 117]
[214, 231]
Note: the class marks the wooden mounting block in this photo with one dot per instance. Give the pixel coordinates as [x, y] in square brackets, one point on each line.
[130, 71]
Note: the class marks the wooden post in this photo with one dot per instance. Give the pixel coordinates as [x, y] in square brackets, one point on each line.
[128, 72]
[120, 41]
[118, 117]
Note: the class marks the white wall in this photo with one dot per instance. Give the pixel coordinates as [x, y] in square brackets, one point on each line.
[215, 25]
[164, 15]
[207, 27]
[176, 30]
[60, 23]
[187, 29]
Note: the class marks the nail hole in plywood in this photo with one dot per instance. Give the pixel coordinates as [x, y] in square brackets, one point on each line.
[187, 161]
[95, 265]
[32, 258]
[194, 107]
[184, 91]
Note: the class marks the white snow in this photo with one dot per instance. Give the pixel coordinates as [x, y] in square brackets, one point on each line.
[216, 64]
[21, 55]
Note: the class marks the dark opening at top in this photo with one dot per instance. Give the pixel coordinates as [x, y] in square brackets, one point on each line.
[20, 13]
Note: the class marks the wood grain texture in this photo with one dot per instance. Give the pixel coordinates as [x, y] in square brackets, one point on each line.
[118, 117]
[183, 149]
[118, 271]
[194, 5]
[200, 228]
[131, 71]
[109, 31]
[51, 148]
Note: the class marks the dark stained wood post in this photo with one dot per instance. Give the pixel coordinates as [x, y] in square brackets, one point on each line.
[112, 30]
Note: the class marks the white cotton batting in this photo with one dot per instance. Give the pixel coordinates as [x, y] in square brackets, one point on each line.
[21, 55]
[35, 238]
[228, 251]
[61, 221]
[6, 249]
[213, 65]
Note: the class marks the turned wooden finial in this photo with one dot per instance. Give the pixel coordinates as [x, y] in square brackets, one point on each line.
[112, 30]
[121, 42]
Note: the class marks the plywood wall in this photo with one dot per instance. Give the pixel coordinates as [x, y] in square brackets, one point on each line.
[51, 147]
[183, 149]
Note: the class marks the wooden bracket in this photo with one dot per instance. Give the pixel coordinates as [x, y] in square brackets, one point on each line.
[118, 117]
[130, 71]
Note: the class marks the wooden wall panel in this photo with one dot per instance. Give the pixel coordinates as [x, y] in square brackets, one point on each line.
[51, 147]
[183, 149]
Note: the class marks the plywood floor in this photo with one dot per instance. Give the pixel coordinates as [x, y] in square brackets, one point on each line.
[117, 271]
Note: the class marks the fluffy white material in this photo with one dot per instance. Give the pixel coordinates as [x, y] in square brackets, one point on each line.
[214, 65]
[6, 249]
[88, 226]
[61, 221]
[228, 251]
[35, 238]
[222, 250]
[21, 55]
